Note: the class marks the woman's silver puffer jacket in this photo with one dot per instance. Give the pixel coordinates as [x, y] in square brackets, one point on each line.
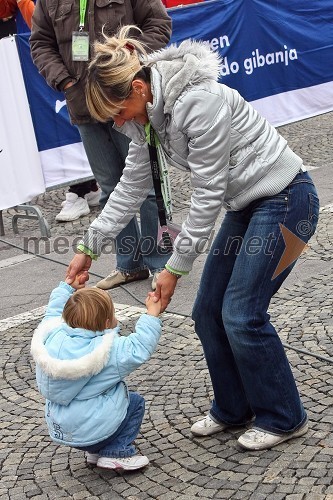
[233, 155]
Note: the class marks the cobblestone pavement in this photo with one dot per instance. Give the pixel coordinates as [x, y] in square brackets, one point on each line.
[176, 386]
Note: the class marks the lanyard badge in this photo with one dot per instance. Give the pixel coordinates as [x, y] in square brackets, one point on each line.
[80, 46]
[80, 39]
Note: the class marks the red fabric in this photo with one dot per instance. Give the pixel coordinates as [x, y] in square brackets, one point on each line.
[179, 3]
[7, 8]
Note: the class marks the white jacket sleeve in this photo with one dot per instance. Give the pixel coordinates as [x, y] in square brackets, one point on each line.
[125, 201]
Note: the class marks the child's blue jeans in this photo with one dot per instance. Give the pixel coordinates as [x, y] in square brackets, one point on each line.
[120, 444]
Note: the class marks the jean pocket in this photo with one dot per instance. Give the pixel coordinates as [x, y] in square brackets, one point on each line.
[313, 207]
[313, 213]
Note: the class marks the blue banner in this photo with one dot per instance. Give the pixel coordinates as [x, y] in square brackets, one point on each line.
[268, 47]
[48, 107]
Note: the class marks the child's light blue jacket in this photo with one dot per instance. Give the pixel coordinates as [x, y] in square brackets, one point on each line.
[81, 373]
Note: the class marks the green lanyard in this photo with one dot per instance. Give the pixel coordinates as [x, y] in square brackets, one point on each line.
[83, 9]
[163, 169]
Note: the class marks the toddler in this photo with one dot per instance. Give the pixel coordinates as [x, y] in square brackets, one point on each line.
[81, 363]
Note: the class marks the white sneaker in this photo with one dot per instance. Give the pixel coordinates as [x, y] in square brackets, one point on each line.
[257, 439]
[130, 463]
[93, 198]
[154, 282]
[92, 458]
[207, 426]
[73, 208]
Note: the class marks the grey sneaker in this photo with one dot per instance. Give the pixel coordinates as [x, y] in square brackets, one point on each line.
[117, 278]
[130, 463]
[258, 439]
[207, 426]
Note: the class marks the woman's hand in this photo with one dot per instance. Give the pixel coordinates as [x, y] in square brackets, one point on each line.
[80, 264]
[165, 289]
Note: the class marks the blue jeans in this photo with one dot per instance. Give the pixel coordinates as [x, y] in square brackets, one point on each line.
[106, 151]
[120, 444]
[250, 373]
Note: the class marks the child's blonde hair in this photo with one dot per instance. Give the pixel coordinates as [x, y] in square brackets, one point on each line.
[111, 71]
[89, 308]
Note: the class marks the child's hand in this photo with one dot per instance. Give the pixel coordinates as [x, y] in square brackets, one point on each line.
[79, 281]
[153, 308]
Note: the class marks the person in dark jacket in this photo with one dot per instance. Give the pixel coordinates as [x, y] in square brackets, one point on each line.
[55, 26]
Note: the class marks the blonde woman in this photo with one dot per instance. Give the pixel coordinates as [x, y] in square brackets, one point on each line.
[237, 160]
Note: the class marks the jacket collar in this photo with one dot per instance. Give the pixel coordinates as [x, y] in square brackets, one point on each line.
[190, 63]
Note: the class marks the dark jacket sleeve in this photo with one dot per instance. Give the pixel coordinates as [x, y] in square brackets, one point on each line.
[152, 18]
[44, 48]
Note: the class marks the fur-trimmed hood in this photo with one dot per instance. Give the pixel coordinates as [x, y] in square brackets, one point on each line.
[61, 380]
[71, 369]
[191, 63]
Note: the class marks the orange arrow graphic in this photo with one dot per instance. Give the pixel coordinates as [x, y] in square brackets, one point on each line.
[294, 247]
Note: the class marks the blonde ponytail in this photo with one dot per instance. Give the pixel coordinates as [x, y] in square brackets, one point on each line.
[115, 63]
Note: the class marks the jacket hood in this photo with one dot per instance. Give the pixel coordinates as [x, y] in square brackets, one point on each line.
[191, 63]
[71, 369]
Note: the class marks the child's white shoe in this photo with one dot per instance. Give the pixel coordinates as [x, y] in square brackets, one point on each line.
[129, 463]
[92, 458]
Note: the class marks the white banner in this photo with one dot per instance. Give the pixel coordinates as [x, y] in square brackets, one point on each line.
[20, 168]
[296, 105]
[65, 165]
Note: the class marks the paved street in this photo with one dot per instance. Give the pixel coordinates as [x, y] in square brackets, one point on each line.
[175, 382]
